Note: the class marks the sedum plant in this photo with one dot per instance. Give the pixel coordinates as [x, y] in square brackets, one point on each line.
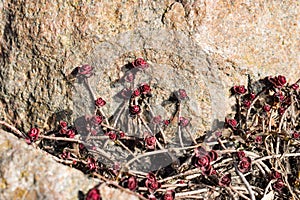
[254, 156]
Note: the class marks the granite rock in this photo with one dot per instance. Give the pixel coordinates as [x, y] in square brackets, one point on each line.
[42, 42]
[28, 173]
[202, 46]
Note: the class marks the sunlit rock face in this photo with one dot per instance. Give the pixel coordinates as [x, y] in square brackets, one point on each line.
[41, 43]
[205, 47]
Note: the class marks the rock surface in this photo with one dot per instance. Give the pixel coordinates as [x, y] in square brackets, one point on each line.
[41, 42]
[28, 173]
[203, 46]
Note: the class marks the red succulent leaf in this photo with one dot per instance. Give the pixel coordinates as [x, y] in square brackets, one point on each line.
[63, 131]
[130, 183]
[134, 109]
[85, 71]
[267, 108]
[281, 80]
[247, 103]
[169, 195]
[241, 155]
[277, 81]
[244, 165]
[213, 172]
[231, 123]
[28, 141]
[121, 134]
[151, 183]
[295, 86]
[225, 180]
[202, 161]
[239, 89]
[81, 146]
[275, 174]
[93, 194]
[33, 134]
[150, 142]
[183, 121]
[63, 124]
[92, 165]
[150, 176]
[100, 102]
[278, 185]
[252, 96]
[213, 155]
[157, 119]
[65, 155]
[208, 170]
[112, 135]
[140, 63]
[182, 95]
[136, 92]
[281, 110]
[296, 135]
[96, 119]
[258, 139]
[145, 88]
[279, 95]
[166, 122]
[71, 133]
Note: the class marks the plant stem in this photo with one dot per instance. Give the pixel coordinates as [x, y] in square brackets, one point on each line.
[252, 196]
[14, 129]
[86, 81]
[161, 130]
[252, 104]
[221, 143]
[145, 154]
[187, 194]
[270, 120]
[179, 126]
[269, 186]
[277, 149]
[137, 172]
[121, 143]
[119, 114]
[189, 172]
[239, 193]
[102, 137]
[61, 139]
[276, 156]
[145, 124]
[109, 182]
[238, 110]
[102, 113]
[110, 127]
[191, 136]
